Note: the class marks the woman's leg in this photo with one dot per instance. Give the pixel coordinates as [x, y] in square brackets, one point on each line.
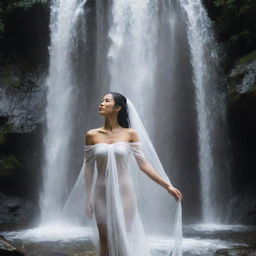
[129, 205]
[100, 215]
[102, 227]
[129, 210]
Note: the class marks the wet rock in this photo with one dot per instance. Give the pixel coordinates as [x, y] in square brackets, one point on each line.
[242, 78]
[250, 251]
[22, 97]
[58, 254]
[16, 212]
[243, 209]
[8, 249]
[56, 248]
[241, 101]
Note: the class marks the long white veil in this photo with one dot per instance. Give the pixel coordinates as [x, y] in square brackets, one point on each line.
[160, 214]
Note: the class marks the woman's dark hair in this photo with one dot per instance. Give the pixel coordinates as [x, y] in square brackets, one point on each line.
[123, 116]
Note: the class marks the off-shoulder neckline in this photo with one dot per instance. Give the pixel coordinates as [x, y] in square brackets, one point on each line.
[126, 142]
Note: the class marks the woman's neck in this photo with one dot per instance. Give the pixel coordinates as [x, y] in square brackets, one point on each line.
[111, 124]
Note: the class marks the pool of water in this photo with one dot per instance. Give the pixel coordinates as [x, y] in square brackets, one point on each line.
[198, 239]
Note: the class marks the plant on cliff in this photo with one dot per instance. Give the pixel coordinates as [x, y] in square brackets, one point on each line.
[236, 25]
[8, 163]
[25, 4]
[7, 6]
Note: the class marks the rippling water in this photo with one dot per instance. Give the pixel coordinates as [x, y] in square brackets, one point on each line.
[198, 239]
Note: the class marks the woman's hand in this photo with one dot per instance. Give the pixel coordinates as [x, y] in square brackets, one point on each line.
[89, 208]
[175, 192]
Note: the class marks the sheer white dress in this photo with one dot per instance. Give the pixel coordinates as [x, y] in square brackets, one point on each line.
[133, 210]
[142, 218]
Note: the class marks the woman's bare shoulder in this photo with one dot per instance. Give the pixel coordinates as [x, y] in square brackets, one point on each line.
[133, 134]
[90, 134]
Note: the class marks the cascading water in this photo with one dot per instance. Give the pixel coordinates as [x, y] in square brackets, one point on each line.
[133, 63]
[59, 109]
[132, 53]
[210, 104]
[140, 52]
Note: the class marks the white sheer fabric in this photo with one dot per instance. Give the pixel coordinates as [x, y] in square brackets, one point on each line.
[142, 218]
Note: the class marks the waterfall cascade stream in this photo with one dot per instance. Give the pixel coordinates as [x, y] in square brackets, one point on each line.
[210, 104]
[138, 31]
[59, 110]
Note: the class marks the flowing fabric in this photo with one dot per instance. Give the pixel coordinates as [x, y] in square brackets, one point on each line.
[141, 217]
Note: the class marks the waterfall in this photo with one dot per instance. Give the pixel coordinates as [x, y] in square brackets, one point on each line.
[210, 104]
[59, 109]
[163, 56]
[132, 52]
[133, 60]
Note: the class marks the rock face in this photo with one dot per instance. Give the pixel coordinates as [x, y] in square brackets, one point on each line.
[22, 101]
[251, 251]
[242, 78]
[22, 98]
[8, 249]
[241, 86]
[23, 69]
[16, 212]
[243, 208]
[23, 64]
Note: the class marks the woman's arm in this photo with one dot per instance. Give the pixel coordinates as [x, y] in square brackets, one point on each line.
[89, 166]
[146, 167]
[150, 171]
[88, 175]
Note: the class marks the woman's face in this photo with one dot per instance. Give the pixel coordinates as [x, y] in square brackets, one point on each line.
[107, 104]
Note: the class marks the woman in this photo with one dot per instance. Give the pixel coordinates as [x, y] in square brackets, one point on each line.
[117, 199]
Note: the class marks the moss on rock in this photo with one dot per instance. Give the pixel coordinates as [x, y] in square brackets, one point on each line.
[241, 82]
[8, 163]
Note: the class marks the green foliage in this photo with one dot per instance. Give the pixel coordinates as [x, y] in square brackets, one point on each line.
[247, 58]
[25, 4]
[7, 164]
[235, 25]
[5, 129]
[237, 6]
